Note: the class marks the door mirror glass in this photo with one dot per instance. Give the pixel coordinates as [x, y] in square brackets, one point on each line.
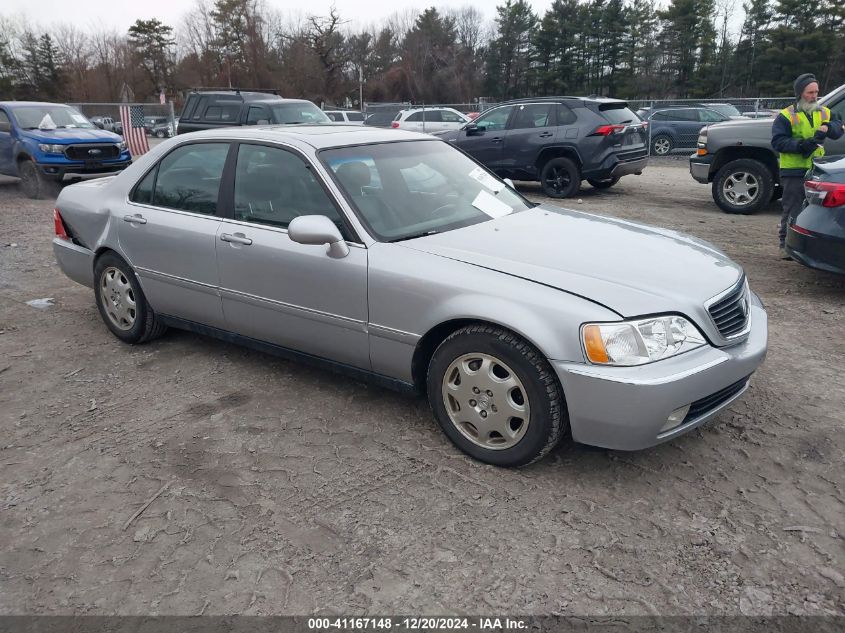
[317, 230]
[474, 130]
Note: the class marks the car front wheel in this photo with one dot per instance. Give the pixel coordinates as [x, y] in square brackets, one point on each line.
[121, 302]
[495, 396]
[33, 182]
[743, 186]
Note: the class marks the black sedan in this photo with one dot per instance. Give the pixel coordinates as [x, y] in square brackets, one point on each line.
[816, 237]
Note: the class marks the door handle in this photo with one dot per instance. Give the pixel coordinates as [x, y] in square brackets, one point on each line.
[135, 219]
[546, 134]
[498, 139]
[237, 238]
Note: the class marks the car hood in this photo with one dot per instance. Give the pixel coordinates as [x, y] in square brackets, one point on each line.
[631, 268]
[76, 135]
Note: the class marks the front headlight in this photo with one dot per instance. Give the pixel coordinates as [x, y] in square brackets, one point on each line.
[640, 341]
[122, 146]
[51, 149]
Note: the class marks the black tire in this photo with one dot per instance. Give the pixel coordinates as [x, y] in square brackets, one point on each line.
[34, 184]
[662, 145]
[145, 326]
[547, 420]
[752, 188]
[560, 178]
[160, 134]
[603, 184]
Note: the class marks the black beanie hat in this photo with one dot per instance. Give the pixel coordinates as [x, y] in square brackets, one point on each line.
[802, 82]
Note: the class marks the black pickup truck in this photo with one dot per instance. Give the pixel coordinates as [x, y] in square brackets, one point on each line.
[738, 159]
[209, 109]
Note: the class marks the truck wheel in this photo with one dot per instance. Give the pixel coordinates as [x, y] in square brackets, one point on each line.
[743, 186]
[560, 178]
[33, 182]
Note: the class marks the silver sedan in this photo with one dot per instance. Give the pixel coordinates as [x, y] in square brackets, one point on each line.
[393, 256]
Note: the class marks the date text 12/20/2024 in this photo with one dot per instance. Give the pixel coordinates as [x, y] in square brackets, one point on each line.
[417, 624]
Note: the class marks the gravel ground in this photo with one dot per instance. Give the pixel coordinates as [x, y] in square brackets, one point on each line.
[284, 489]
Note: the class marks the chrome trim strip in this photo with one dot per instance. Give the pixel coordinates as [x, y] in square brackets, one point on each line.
[295, 310]
[662, 380]
[178, 281]
[391, 334]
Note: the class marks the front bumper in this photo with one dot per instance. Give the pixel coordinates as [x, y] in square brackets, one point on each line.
[625, 408]
[699, 167]
[79, 170]
[77, 262]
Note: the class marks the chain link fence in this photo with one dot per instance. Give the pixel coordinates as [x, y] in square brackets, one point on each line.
[159, 119]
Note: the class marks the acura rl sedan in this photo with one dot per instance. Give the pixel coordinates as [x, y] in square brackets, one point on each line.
[392, 255]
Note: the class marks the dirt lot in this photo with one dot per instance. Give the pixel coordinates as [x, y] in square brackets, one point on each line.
[291, 490]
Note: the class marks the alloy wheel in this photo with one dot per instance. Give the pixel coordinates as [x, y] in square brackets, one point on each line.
[741, 188]
[117, 298]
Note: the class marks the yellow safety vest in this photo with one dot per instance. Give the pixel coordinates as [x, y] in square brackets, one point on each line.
[801, 129]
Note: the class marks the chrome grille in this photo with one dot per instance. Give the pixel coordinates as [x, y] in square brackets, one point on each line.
[83, 151]
[730, 313]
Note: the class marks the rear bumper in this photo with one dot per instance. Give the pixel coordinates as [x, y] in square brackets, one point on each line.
[627, 408]
[818, 251]
[699, 168]
[617, 168]
[77, 262]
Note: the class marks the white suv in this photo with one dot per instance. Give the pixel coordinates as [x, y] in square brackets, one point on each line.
[430, 119]
[345, 116]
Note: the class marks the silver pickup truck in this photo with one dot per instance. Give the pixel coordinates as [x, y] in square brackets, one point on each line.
[737, 157]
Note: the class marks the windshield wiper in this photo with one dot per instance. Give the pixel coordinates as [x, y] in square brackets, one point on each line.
[415, 235]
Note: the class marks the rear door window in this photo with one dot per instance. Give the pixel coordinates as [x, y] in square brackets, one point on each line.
[189, 178]
[450, 117]
[257, 114]
[533, 115]
[355, 116]
[565, 115]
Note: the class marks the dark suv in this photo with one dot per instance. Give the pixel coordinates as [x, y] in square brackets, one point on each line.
[558, 141]
[224, 108]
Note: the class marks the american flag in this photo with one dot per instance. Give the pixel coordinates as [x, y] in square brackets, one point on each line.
[132, 118]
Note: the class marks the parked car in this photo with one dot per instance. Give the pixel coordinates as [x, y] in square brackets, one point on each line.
[104, 122]
[559, 141]
[407, 262]
[382, 118]
[158, 126]
[738, 159]
[345, 116]
[672, 128]
[226, 108]
[816, 236]
[429, 119]
[47, 143]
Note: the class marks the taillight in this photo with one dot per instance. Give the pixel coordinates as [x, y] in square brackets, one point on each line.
[394, 124]
[59, 225]
[801, 230]
[607, 130]
[828, 194]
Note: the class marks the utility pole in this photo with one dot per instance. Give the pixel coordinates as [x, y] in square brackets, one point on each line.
[361, 88]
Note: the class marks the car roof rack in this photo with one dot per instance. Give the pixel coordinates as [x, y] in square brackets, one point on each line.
[272, 91]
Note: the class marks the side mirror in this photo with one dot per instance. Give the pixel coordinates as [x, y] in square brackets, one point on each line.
[5, 126]
[474, 130]
[317, 230]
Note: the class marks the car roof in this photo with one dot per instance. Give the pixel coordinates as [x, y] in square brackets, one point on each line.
[14, 104]
[319, 136]
[555, 99]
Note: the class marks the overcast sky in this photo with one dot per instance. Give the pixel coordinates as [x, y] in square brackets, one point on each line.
[120, 14]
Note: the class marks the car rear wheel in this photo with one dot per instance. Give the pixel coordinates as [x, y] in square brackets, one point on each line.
[121, 302]
[603, 184]
[495, 396]
[33, 182]
[661, 145]
[560, 178]
[160, 134]
[743, 186]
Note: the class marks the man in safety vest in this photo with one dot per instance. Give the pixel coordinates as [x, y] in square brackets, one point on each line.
[798, 134]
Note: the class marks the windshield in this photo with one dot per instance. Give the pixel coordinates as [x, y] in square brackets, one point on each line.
[415, 188]
[49, 117]
[725, 108]
[304, 112]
